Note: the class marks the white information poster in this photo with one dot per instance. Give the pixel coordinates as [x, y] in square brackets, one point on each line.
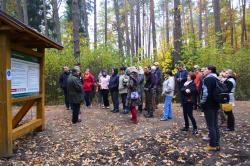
[25, 75]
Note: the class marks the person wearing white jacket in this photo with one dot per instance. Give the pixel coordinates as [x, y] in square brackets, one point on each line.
[168, 92]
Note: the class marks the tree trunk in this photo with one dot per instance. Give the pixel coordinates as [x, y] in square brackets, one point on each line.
[200, 20]
[118, 26]
[243, 25]
[206, 22]
[3, 5]
[106, 21]
[56, 21]
[126, 30]
[167, 21]
[85, 16]
[132, 19]
[25, 12]
[231, 24]
[217, 25]
[19, 10]
[143, 29]
[46, 32]
[139, 30]
[191, 16]
[76, 38]
[177, 32]
[95, 25]
[152, 18]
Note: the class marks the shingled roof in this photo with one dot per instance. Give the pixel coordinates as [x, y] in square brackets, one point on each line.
[24, 35]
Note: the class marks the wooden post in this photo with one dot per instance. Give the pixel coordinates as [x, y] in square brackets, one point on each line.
[5, 97]
[41, 102]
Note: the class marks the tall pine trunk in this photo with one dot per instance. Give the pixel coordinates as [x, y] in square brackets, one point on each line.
[231, 24]
[243, 25]
[191, 15]
[177, 33]
[19, 10]
[200, 20]
[126, 29]
[76, 38]
[95, 25]
[118, 26]
[152, 18]
[167, 20]
[56, 21]
[106, 21]
[206, 22]
[46, 32]
[217, 25]
[132, 19]
[25, 12]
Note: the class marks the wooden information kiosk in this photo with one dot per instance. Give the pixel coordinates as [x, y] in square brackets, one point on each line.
[22, 60]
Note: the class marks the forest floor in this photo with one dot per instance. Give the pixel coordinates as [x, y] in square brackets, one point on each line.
[105, 138]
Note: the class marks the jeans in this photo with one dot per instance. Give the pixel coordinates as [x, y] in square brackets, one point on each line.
[230, 120]
[124, 98]
[211, 117]
[87, 98]
[188, 113]
[167, 114]
[158, 95]
[105, 97]
[66, 101]
[197, 100]
[76, 110]
[115, 100]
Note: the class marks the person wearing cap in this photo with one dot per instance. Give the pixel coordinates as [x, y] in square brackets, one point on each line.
[74, 87]
[158, 83]
[123, 88]
[133, 98]
[181, 78]
[197, 82]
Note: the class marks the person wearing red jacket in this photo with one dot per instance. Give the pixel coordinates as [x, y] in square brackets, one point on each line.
[88, 83]
[197, 82]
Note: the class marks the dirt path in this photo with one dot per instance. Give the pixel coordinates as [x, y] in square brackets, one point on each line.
[105, 138]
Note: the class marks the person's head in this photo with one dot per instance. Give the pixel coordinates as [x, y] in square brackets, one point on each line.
[114, 71]
[228, 73]
[191, 76]
[181, 67]
[196, 68]
[104, 73]
[76, 71]
[87, 71]
[147, 69]
[210, 69]
[122, 70]
[66, 69]
[156, 64]
[169, 73]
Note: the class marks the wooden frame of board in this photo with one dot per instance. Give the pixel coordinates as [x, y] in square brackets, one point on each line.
[16, 36]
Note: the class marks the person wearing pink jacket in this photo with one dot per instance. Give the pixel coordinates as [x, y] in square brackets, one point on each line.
[104, 83]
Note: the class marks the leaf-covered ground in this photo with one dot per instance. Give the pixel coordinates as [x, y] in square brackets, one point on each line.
[105, 138]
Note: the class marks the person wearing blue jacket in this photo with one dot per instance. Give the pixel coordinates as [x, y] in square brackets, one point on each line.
[114, 89]
[181, 78]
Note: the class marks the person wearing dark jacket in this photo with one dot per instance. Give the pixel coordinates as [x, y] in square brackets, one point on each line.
[74, 87]
[158, 89]
[231, 85]
[148, 88]
[181, 78]
[210, 107]
[114, 89]
[63, 84]
[188, 92]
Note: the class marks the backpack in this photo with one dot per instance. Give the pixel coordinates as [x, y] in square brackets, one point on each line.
[220, 93]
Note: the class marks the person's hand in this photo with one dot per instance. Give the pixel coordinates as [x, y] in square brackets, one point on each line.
[188, 91]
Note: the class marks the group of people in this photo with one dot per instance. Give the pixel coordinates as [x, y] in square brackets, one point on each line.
[140, 89]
